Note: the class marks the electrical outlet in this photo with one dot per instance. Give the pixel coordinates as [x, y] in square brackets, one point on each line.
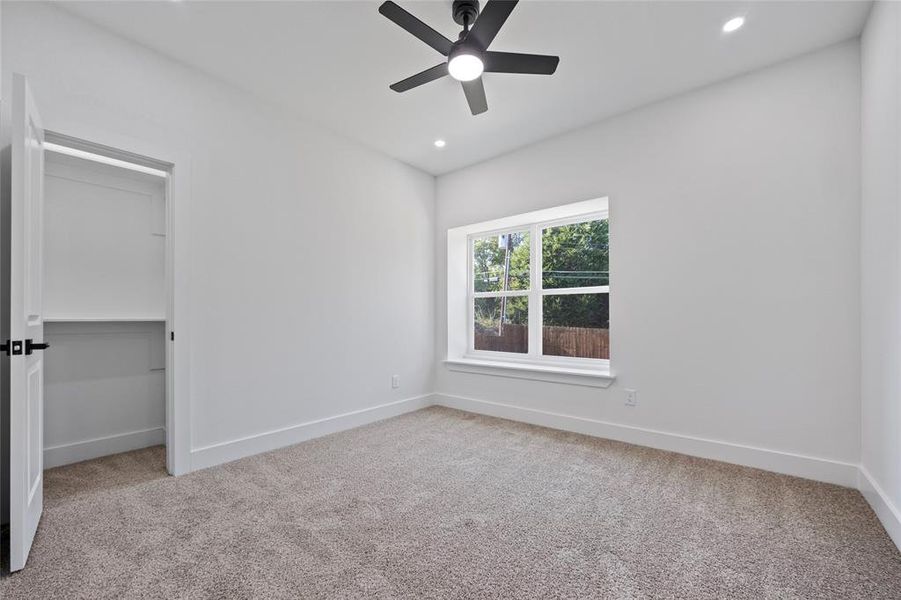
[395, 381]
[631, 397]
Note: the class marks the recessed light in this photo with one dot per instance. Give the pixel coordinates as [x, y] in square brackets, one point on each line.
[440, 143]
[733, 24]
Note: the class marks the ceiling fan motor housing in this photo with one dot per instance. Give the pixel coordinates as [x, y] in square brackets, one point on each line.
[465, 11]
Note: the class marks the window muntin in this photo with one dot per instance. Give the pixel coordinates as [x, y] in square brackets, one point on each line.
[541, 293]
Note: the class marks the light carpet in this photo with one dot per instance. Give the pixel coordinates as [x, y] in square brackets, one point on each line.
[445, 504]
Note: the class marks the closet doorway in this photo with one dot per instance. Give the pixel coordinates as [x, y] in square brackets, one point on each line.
[104, 292]
[108, 303]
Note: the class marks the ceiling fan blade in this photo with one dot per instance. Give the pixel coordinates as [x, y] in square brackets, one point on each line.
[511, 62]
[436, 72]
[416, 27]
[490, 21]
[475, 96]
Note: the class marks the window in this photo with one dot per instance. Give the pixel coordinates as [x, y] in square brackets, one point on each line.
[539, 291]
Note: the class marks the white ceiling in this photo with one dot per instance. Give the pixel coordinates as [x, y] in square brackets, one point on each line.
[332, 61]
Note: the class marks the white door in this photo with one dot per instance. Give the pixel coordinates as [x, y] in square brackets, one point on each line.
[26, 364]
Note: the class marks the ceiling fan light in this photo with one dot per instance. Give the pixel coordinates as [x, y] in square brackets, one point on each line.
[465, 67]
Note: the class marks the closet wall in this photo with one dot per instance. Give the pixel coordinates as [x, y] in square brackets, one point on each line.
[104, 307]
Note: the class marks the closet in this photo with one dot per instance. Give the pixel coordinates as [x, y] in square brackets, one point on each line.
[104, 308]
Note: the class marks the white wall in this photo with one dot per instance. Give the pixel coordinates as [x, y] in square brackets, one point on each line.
[311, 256]
[735, 215]
[881, 264]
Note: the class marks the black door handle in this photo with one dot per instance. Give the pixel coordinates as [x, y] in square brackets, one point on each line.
[30, 346]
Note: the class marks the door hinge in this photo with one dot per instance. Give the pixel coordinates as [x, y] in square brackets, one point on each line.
[11, 347]
[172, 335]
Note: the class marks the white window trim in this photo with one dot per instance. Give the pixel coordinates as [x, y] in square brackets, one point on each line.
[461, 355]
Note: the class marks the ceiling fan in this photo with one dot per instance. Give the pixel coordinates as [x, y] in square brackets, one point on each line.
[469, 57]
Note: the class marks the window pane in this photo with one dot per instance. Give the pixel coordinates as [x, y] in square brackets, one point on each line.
[577, 325]
[501, 262]
[575, 255]
[507, 334]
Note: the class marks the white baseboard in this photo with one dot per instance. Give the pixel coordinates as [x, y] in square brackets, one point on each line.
[808, 467]
[217, 454]
[66, 454]
[889, 514]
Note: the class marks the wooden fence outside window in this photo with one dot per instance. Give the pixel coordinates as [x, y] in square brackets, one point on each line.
[583, 342]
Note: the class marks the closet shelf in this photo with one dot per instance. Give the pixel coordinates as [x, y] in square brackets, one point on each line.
[102, 319]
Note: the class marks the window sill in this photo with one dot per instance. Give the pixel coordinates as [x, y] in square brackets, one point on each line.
[600, 378]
